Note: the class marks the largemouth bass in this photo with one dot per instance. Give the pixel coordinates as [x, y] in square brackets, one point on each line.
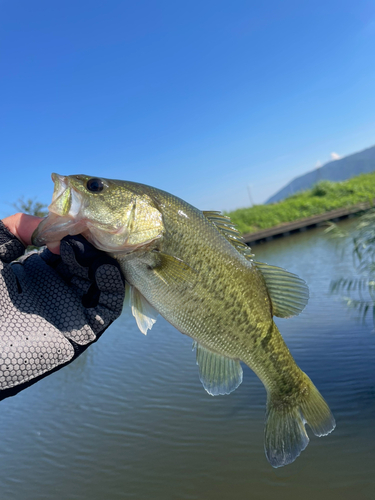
[193, 268]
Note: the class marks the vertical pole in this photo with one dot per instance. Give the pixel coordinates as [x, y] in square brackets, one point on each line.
[249, 192]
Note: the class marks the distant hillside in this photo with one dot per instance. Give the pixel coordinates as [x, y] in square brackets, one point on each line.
[337, 170]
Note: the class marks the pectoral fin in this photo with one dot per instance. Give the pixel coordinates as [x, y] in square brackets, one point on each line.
[127, 299]
[218, 374]
[289, 293]
[170, 269]
[145, 315]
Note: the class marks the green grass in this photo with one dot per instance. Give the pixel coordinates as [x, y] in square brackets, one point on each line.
[323, 197]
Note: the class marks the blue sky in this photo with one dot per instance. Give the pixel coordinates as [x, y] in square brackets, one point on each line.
[199, 98]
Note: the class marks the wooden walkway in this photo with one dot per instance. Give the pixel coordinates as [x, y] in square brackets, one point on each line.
[303, 224]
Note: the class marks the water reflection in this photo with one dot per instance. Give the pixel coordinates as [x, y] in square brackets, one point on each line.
[130, 419]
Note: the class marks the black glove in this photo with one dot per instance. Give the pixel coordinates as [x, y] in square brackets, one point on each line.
[52, 306]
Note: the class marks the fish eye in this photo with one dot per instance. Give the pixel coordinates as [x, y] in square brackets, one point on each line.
[95, 185]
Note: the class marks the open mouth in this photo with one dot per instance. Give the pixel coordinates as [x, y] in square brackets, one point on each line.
[63, 218]
[65, 199]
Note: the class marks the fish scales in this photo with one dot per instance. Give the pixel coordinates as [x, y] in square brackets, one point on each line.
[184, 265]
[229, 304]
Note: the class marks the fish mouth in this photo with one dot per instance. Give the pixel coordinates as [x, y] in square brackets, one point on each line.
[66, 201]
[64, 214]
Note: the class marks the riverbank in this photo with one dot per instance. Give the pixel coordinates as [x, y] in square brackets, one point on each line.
[324, 197]
[303, 224]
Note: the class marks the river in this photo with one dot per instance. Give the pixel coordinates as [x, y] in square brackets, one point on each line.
[129, 419]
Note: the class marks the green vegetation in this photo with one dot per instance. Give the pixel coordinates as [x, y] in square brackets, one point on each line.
[358, 292]
[31, 207]
[323, 197]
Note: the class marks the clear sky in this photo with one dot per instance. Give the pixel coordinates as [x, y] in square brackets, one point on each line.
[200, 98]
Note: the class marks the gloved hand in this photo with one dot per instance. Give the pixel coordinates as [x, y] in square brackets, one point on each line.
[52, 306]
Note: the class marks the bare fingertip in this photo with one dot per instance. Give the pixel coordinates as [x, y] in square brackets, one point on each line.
[54, 248]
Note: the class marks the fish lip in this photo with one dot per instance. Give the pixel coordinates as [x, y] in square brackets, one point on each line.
[54, 227]
[55, 177]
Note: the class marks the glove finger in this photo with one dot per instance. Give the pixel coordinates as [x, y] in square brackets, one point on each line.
[10, 245]
[106, 296]
[81, 285]
[109, 278]
[111, 285]
[99, 318]
[85, 253]
[71, 251]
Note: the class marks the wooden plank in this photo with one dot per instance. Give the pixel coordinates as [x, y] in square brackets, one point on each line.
[301, 224]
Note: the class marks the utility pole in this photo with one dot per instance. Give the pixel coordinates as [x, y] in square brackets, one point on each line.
[317, 167]
[249, 192]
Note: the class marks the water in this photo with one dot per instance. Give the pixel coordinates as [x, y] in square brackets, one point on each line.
[129, 419]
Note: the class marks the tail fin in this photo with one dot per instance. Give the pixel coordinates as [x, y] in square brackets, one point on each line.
[285, 433]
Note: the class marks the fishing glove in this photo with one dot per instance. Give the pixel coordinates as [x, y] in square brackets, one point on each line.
[52, 307]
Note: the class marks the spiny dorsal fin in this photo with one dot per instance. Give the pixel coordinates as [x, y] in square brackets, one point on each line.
[288, 292]
[219, 375]
[230, 232]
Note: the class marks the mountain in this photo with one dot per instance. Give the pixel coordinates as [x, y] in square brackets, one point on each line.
[337, 170]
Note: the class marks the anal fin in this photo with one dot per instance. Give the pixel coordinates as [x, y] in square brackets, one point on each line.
[219, 375]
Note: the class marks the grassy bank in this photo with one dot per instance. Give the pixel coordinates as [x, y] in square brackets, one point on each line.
[323, 197]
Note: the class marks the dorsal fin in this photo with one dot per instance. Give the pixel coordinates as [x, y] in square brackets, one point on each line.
[226, 227]
[289, 293]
